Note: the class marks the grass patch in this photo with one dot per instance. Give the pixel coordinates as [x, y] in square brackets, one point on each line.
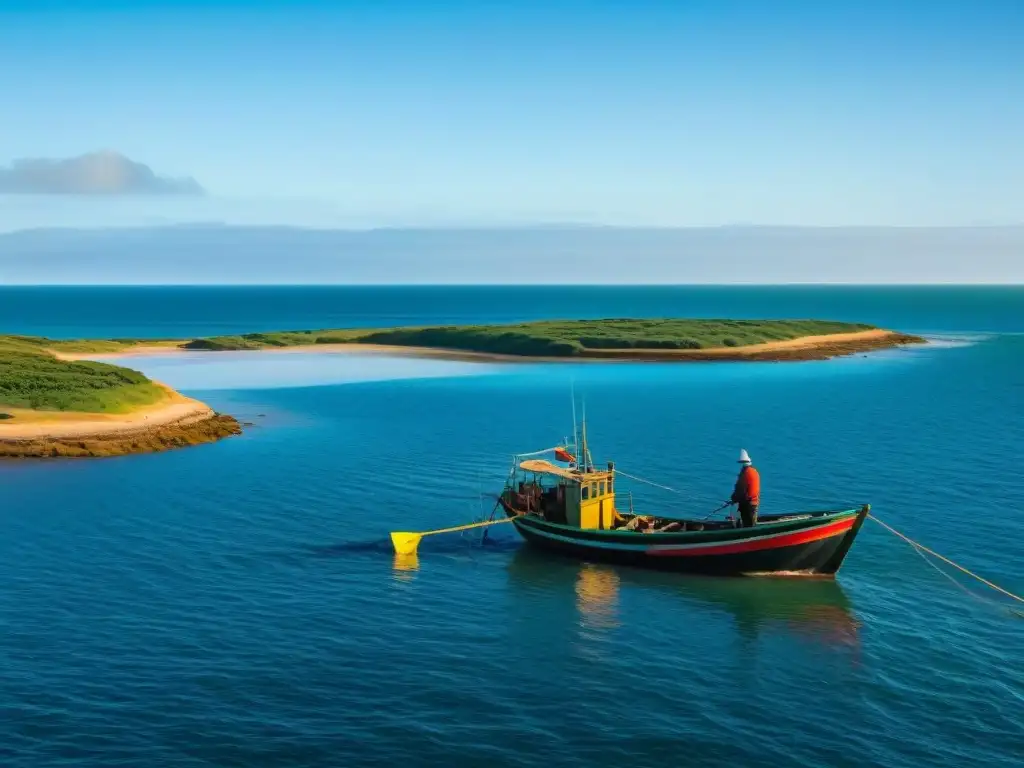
[103, 346]
[551, 338]
[274, 339]
[224, 343]
[83, 346]
[31, 377]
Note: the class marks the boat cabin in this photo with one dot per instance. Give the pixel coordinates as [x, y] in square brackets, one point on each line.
[582, 498]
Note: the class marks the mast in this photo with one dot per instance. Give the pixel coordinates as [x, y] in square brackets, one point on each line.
[586, 449]
[575, 435]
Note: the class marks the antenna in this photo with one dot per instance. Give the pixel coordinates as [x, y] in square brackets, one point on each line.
[586, 451]
[575, 435]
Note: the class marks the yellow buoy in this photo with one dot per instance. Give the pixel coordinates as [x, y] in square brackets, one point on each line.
[406, 542]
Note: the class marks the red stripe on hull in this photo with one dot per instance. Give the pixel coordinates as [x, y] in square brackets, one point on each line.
[786, 540]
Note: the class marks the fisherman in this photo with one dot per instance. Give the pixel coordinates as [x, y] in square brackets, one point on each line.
[747, 493]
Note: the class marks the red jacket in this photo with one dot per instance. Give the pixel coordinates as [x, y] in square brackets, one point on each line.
[748, 487]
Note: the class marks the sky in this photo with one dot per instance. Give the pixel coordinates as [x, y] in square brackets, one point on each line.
[682, 114]
[230, 255]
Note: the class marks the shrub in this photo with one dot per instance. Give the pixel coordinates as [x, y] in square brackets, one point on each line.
[222, 343]
[38, 380]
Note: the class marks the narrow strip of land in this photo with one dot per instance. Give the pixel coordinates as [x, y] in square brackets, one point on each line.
[135, 350]
[175, 409]
[813, 347]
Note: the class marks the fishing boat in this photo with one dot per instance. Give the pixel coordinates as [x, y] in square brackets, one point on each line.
[568, 506]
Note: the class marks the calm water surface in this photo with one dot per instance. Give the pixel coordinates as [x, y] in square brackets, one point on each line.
[238, 604]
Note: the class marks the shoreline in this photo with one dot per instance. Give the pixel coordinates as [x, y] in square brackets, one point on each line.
[804, 348]
[178, 421]
[174, 422]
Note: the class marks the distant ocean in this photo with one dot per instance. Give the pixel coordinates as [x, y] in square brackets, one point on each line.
[62, 312]
[238, 604]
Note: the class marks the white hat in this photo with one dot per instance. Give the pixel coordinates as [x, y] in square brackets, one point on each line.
[744, 457]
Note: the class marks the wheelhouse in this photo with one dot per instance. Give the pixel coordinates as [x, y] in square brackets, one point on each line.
[579, 496]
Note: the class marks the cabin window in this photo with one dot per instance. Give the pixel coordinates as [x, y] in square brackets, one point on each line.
[600, 491]
[610, 487]
[586, 492]
[593, 489]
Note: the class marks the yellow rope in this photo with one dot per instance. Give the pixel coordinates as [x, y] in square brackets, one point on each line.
[914, 544]
[469, 525]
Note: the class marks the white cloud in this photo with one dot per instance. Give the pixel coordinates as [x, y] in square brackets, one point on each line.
[95, 173]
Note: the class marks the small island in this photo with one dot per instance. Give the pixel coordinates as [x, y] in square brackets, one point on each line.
[54, 401]
[51, 407]
[667, 340]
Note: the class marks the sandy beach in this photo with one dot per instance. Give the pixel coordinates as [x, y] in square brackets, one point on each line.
[174, 422]
[176, 409]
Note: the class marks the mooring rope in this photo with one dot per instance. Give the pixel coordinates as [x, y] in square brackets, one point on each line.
[947, 575]
[923, 548]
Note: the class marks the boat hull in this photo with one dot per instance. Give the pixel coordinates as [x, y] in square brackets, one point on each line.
[815, 546]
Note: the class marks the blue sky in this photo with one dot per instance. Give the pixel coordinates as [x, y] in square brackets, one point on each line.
[670, 113]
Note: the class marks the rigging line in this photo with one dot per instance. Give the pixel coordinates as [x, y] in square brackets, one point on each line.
[538, 453]
[922, 547]
[649, 482]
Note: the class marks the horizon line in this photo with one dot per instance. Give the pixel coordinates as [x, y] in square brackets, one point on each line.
[807, 284]
[201, 224]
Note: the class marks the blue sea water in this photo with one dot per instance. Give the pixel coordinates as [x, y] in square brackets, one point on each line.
[238, 604]
[161, 312]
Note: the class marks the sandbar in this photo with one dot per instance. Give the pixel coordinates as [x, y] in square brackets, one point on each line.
[802, 348]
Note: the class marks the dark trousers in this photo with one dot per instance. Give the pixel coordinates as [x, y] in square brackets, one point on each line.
[748, 514]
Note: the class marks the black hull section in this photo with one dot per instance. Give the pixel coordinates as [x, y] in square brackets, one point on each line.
[832, 565]
[820, 557]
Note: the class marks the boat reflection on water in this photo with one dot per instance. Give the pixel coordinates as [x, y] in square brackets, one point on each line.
[405, 566]
[597, 596]
[817, 610]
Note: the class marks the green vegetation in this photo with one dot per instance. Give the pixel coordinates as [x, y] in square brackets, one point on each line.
[274, 339]
[545, 338]
[40, 344]
[105, 346]
[551, 338]
[80, 346]
[31, 377]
